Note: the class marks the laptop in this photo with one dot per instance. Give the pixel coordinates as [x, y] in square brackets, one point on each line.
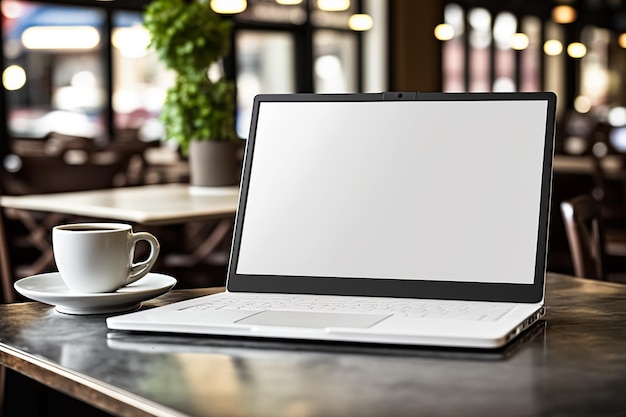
[394, 218]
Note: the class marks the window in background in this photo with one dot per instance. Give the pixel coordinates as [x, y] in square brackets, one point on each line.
[335, 47]
[140, 80]
[495, 52]
[335, 62]
[279, 46]
[594, 71]
[265, 64]
[554, 61]
[56, 77]
[453, 51]
[504, 29]
[479, 42]
[530, 67]
[307, 47]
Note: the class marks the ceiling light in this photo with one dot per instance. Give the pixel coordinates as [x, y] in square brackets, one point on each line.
[564, 14]
[229, 6]
[444, 32]
[576, 50]
[504, 28]
[480, 19]
[520, 41]
[333, 5]
[12, 9]
[288, 2]
[13, 77]
[622, 40]
[582, 104]
[61, 37]
[132, 42]
[360, 22]
[617, 116]
[553, 47]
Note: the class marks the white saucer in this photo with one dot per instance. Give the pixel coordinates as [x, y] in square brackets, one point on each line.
[50, 289]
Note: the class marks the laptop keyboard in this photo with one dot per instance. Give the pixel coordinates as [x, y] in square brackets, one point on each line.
[428, 309]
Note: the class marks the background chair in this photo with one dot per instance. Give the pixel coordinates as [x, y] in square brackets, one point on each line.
[596, 253]
[609, 176]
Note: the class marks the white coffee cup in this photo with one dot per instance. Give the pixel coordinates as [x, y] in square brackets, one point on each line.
[98, 257]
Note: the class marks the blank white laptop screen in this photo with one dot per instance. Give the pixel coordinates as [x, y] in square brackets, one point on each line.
[333, 192]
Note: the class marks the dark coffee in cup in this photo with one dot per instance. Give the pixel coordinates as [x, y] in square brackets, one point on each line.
[88, 229]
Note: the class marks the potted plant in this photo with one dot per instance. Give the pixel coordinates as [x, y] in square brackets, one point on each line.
[199, 111]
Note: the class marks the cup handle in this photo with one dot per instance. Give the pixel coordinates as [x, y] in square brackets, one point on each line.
[140, 269]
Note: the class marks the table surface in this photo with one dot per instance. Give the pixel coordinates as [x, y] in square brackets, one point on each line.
[148, 204]
[571, 364]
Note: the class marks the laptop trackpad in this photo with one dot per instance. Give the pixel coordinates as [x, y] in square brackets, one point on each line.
[312, 319]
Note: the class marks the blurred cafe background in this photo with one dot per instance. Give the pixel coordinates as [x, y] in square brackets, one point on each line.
[78, 77]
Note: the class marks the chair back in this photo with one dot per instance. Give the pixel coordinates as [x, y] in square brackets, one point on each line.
[59, 163]
[585, 232]
[54, 173]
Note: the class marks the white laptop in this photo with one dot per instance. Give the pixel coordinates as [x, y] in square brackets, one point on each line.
[393, 218]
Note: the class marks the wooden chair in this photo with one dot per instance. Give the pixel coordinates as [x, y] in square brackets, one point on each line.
[596, 253]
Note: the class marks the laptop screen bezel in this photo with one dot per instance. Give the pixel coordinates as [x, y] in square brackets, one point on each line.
[401, 288]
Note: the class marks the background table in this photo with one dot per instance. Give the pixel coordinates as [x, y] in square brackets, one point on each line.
[571, 364]
[150, 205]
